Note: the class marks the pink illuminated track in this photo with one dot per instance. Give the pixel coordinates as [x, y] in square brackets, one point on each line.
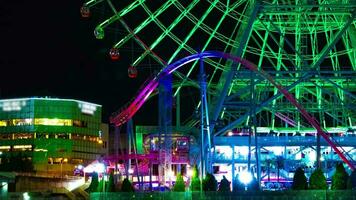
[129, 111]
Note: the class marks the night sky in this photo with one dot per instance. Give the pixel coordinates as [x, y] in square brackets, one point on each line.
[47, 49]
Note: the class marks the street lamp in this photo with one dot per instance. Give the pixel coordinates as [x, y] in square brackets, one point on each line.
[61, 168]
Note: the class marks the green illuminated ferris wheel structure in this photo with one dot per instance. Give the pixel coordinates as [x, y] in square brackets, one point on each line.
[307, 46]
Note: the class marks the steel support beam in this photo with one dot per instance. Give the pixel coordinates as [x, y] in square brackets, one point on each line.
[237, 52]
[306, 76]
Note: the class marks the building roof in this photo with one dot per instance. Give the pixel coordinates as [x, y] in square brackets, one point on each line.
[46, 99]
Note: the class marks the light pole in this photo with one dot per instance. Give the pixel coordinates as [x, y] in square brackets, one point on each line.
[61, 168]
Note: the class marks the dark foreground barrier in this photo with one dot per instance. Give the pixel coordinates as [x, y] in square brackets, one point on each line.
[262, 195]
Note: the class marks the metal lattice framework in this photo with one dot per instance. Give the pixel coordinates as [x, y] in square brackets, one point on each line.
[307, 46]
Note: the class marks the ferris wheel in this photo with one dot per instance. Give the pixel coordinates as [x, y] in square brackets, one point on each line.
[304, 52]
[308, 46]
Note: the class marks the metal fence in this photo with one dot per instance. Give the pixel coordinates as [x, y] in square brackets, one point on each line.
[262, 195]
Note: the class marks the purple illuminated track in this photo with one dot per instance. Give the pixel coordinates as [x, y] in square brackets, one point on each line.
[128, 112]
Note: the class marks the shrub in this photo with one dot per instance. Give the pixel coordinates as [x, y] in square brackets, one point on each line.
[111, 184]
[299, 180]
[179, 186]
[127, 186]
[238, 186]
[254, 185]
[101, 186]
[224, 185]
[93, 187]
[195, 183]
[317, 180]
[210, 183]
[351, 183]
[339, 179]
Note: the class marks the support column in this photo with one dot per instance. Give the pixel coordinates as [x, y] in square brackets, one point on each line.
[150, 168]
[242, 38]
[249, 150]
[233, 168]
[206, 154]
[318, 149]
[178, 110]
[254, 122]
[128, 161]
[202, 136]
[165, 129]
[116, 144]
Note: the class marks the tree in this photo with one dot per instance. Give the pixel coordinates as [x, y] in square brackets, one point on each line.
[127, 186]
[253, 185]
[93, 187]
[279, 162]
[179, 186]
[101, 186]
[195, 183]
[299, 180]
[111, 184]
[340, 177]
[210, 183]
[238, 185]
[317, 180]
[351, 183]
[224, 185]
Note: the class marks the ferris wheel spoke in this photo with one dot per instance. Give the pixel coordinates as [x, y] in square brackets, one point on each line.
[178, 41]
[274, 54]
[207, 28]
[165, 33]
[153, 17]
[350, 41]
[203, 49]
[192, 31]
[99, 30]
[92, 3]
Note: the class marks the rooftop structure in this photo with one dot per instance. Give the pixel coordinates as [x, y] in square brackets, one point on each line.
[54, 134]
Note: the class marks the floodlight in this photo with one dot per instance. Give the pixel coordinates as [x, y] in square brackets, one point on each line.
[245, 177]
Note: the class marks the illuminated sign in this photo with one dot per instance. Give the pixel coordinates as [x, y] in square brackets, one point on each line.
[87, 108]
[12, 105]
[22, 146]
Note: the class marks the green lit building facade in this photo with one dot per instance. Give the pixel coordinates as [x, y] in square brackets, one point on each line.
[56, 134]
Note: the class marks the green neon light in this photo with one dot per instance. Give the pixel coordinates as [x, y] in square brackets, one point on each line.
[139, 140]
[315, 28]
[153, 17]
[166, 32]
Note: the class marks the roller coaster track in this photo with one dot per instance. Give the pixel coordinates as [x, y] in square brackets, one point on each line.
[129, 111]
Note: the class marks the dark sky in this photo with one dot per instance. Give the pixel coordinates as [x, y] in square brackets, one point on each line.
[47, 49]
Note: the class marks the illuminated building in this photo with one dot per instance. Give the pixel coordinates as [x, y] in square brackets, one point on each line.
[284, 145]
[232, 155]
[56, 134]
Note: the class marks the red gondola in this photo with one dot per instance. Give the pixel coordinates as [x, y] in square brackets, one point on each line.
[114, 54]
[132, 72]
[85, 11]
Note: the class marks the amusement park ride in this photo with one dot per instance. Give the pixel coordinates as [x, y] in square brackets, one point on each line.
[273, 71]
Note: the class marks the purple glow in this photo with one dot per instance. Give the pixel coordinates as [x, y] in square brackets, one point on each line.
[147, 90]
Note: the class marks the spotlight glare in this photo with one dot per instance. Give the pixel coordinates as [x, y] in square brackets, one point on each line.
[245, 177]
